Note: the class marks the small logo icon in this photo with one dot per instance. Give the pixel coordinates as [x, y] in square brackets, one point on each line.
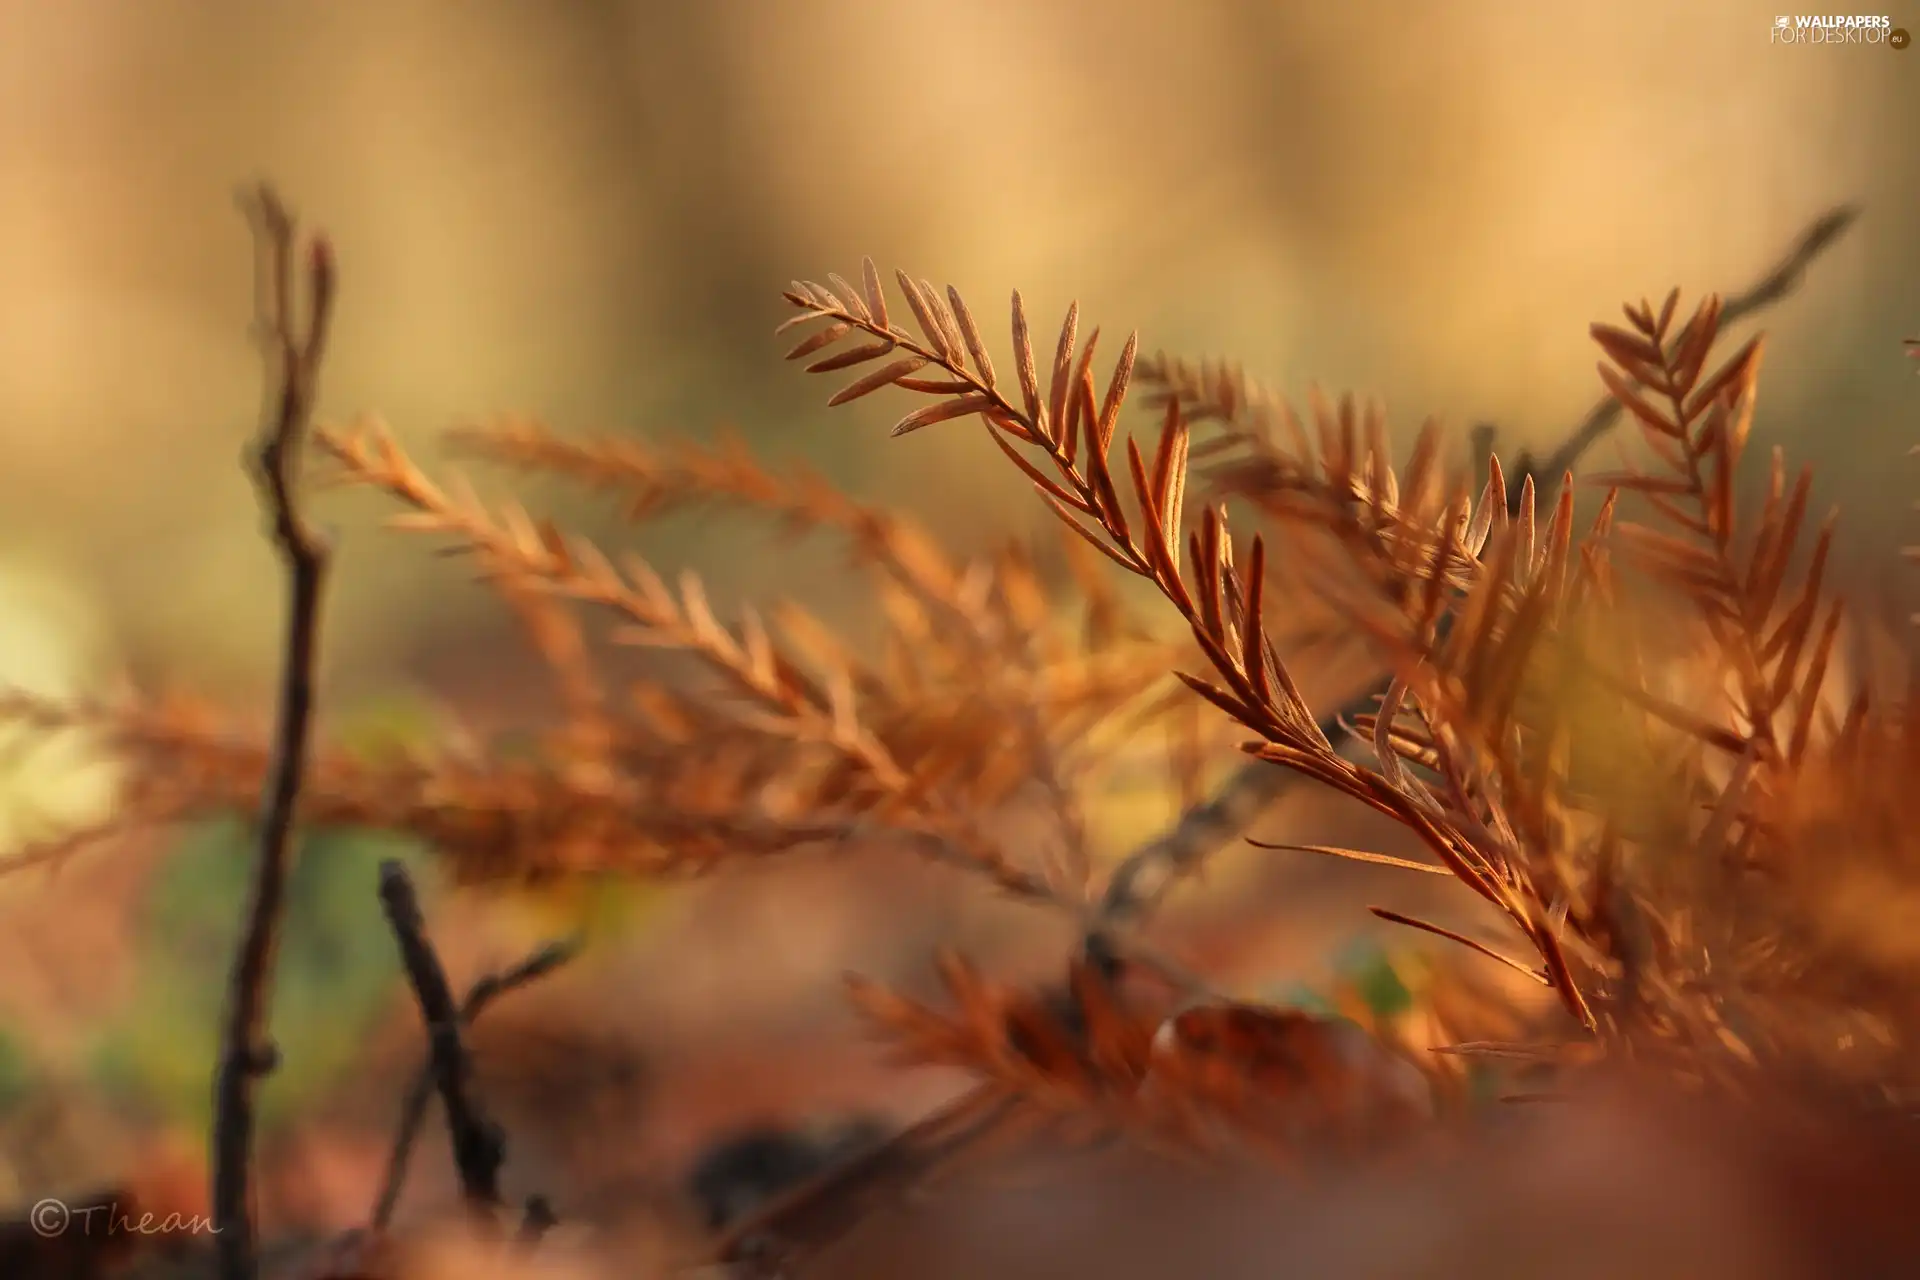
[49, 1218]
[1898, 38]
[1782, 22]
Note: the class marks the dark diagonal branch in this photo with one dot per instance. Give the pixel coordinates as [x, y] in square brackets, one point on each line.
[414, 1110]
[479, 1149]
[294, 346]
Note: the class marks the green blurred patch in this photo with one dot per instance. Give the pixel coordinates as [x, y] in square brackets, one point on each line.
[19, 1073]
[389, 726]
[1367, 978]
[586, 910]
[1379, 977]
[1485, 1084]
[337, 967]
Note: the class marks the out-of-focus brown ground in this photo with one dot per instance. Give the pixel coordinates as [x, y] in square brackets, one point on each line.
[724, 1009]
[1612, 1184]
[610, 1080]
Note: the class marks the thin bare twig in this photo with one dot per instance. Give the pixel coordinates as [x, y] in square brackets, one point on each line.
[479, 1149]
[1145, 876]
[414, 1110]
[294, 351]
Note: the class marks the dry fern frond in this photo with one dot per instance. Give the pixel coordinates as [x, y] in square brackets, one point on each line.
[1777, 647]
[907, 761]
[781, 696]
[999, 602]
[957, 635]
[1493, 616]
[652, 481]
[1072, 429]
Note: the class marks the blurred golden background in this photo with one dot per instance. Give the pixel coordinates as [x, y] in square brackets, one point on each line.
[587, 211]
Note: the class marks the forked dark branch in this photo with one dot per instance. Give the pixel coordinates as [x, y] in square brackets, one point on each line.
[479, 1149]
[481, 995]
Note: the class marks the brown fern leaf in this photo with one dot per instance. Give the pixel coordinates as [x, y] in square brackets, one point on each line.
[1462, 600]
[1777, 648]
[1077, 438]
[655, 480]
[1223, 605]
[894, 760]
[513, 547]
[954, 628]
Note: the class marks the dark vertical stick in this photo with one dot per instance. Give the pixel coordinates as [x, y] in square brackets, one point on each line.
[293, 363]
